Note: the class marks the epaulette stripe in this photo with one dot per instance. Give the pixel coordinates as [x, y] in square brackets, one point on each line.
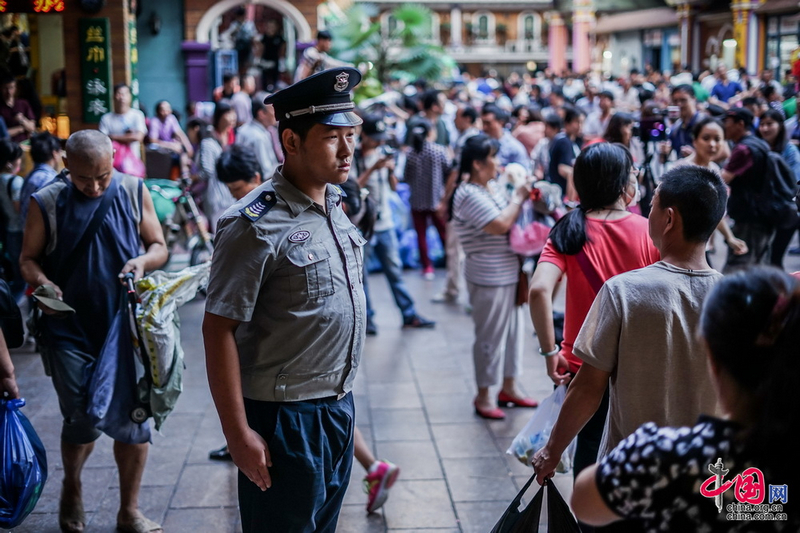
[260, 206]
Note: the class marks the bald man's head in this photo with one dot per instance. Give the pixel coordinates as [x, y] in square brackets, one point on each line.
[89, 144]
[90, 160]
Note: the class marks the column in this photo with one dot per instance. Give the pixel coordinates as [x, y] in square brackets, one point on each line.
[556, 42]
[745, 32]
[196, 62]
[582, 26]
[685, 26]
[455, 27]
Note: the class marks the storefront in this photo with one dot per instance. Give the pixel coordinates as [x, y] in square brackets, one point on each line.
[782, 42]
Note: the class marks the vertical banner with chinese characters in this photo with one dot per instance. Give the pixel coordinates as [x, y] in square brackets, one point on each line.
[95, 68]
[133, 43]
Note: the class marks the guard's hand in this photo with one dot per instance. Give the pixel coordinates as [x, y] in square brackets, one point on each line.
[135, 265]
[557, 369]
[251, 455]
[544, 464]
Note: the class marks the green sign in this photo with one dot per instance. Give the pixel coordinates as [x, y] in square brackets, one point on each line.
[133, 44]
[95, 68]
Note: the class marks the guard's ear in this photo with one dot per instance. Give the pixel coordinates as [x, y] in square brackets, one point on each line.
[291, 141]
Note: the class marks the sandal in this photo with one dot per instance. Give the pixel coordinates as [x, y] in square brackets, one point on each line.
[140, 524]
[71, 519]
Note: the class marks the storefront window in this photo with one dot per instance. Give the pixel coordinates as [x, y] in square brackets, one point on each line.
[783, 34]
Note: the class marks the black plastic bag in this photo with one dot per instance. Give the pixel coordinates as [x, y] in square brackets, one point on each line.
[559, 517]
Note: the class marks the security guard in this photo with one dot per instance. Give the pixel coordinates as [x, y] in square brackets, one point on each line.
[285, 315]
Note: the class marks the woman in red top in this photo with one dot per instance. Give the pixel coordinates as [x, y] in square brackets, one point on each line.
[591, 244]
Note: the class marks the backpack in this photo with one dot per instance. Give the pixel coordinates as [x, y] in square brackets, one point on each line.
[774, 203]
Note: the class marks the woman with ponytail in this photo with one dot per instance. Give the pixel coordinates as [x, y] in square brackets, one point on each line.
[482, 218]
[660, 477]
[426, 171]
[590, 244]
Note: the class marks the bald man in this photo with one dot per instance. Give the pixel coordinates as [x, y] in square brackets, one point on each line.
[82, 234]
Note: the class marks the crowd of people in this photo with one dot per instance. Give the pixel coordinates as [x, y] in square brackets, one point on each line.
[301, 189]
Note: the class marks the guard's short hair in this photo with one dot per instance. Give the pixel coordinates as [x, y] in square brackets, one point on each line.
[699, 195]
[237, 163]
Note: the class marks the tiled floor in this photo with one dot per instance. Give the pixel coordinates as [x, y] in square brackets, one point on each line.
[413, 399]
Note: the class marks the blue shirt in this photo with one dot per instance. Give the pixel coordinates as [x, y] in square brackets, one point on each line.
[726, 92]
[681, 134]
[512, 151]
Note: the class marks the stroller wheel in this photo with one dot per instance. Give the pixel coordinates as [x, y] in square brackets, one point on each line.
[139, 415]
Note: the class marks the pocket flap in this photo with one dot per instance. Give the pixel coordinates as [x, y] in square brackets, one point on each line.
[356, 237]
[303, 256]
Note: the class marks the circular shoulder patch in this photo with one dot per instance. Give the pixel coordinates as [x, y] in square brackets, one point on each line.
[299, 236]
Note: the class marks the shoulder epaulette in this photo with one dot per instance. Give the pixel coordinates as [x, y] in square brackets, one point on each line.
[260, 206]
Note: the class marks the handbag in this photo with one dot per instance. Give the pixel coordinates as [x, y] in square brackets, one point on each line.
[559, 517]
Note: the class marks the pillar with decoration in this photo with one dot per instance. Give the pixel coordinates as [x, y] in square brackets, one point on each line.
[745, 32]
[583, 21]
[685, 25]
[556, 42]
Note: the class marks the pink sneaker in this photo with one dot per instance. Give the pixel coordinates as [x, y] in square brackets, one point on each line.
[377, 484]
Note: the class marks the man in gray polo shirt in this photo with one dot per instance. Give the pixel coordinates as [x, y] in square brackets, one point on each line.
[285, 315]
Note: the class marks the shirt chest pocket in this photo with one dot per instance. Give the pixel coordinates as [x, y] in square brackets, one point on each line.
[313, 275]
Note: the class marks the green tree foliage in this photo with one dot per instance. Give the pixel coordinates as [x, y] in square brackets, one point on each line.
[405, 51]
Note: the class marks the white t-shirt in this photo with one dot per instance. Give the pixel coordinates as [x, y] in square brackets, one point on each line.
[642, 327]
[132, 120]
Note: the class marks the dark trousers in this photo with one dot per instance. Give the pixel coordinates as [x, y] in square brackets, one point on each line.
[759, 239]
[311, 445]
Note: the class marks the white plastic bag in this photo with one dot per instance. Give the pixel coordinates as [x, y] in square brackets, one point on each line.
[537, 431]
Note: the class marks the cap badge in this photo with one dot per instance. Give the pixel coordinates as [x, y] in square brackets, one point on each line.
[299, 236]
[342, 81]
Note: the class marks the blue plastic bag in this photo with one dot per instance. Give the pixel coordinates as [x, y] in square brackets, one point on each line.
[23, 468]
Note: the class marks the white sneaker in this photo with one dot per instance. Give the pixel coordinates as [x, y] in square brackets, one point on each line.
[445, 298]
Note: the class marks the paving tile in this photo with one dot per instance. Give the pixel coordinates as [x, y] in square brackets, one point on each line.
[419, 504]
[464, 440]
[354, 519]
[480, 517]
[399, 425]
[153, 502]
[449, 408]
[95, 485]
[479, 479]
[417, 460]
[394, 396]
[219, 519]
[212, 485]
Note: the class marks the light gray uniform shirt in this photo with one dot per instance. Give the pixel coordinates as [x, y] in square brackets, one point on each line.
[292, 275]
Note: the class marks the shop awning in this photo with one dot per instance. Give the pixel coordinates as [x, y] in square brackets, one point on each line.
[779, 6]
[660, 17]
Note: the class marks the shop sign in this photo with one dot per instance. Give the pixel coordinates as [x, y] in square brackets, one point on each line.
[133, 54]
[32, 6]
[95, 68]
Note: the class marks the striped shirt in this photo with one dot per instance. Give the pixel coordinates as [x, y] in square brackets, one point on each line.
[489, 259]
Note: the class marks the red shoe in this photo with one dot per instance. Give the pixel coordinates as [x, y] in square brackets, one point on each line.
[508, 400]
[489, 414]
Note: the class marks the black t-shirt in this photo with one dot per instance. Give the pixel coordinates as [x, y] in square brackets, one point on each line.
[654, 477]
[563, 151]
[272, 47]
